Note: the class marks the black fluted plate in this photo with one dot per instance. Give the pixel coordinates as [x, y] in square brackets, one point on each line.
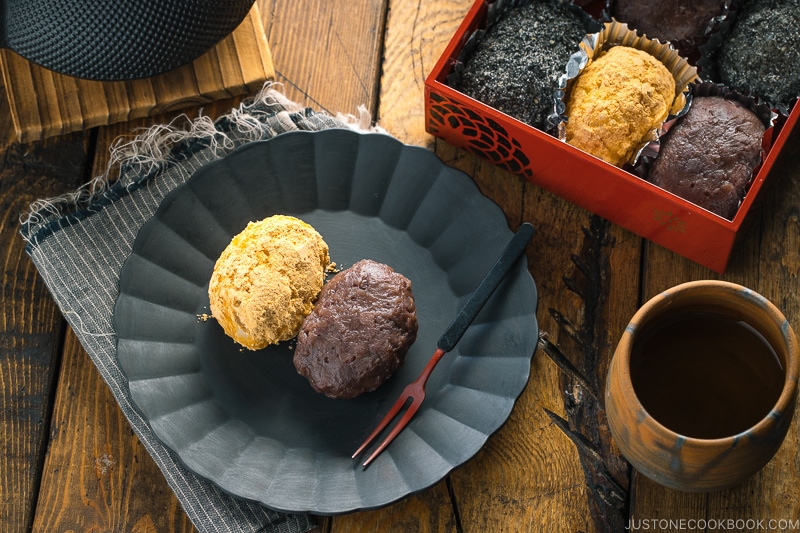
[246, 420]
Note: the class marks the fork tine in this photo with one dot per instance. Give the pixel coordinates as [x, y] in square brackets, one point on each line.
[401, 424]
[398, 404]
[414, 390]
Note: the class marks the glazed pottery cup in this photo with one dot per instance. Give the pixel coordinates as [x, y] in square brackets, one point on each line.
[671, 372]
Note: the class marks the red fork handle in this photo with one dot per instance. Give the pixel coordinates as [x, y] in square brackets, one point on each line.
[426, 372]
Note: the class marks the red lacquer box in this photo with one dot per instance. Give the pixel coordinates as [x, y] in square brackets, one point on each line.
[619, 196]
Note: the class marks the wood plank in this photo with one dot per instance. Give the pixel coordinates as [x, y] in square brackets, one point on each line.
[65, 486]
[239, 64]
[31, 327]
[327, 54]
[97, 475]
[336, 51]
[337, 73]
[416, 35]
[767, 260]
[553, 477]
[565, 471]
[432, 510]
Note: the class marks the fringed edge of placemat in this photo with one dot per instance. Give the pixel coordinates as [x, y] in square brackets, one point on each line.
[135, 161]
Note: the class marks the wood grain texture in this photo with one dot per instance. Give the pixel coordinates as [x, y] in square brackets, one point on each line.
[327, 53]
[431, 510]
[97, 476]
[31, 327]
[572, 478]
[416, 35]
[72, 493]
[239, 64]
[546, 467]
[551, 467]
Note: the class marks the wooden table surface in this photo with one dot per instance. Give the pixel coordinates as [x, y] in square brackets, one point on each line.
[70, 462]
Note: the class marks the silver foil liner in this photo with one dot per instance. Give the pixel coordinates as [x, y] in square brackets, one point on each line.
[494, 11]
[768, 116]
[690, 47]
[616, 33]
[708, 50]
[709, 54]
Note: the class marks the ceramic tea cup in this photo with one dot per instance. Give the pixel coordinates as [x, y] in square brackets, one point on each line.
[703, 385]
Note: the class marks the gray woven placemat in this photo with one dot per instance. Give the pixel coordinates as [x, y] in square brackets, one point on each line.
[79, 242]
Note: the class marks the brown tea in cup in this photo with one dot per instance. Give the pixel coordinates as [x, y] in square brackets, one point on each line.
[703, 385]
[705, 374]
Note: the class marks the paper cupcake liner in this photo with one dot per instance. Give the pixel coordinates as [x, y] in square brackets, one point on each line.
[618, 34]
